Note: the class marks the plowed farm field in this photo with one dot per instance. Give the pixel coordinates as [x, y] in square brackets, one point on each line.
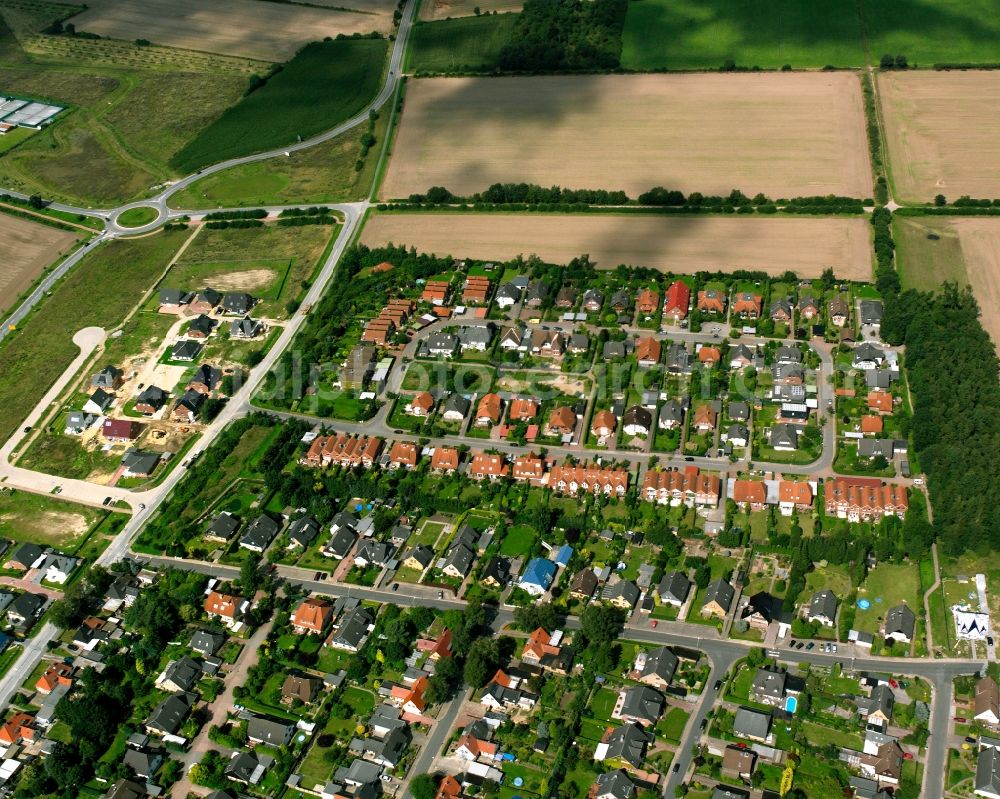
[775, 245]
[784, 134]
[26, 248]
[941, 133]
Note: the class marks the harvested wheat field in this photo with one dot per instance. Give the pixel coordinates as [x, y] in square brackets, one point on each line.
[248, 28]
[784, 134]
[775, 245]
[442, 9]
[980, 239]
[941, 132]
[26, 248]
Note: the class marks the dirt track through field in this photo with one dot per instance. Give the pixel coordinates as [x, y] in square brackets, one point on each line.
[941, 131]
[980, 239]
[248, 28]
[805, 246]
[442, 9]
[782, 134]
[26, 248]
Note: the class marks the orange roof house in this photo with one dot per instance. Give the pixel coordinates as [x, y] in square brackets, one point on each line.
[444, 459]
[677, 300]
[604, 424]
[562, 420]
[473, 747]
[435, 291]
[880, 401]
[312, 615]
[488, 410]
[403, 453]
[385, 266]
[476, 290]
[750, 493]
[647, 351]
[712, 301]
[529, 467]
[411, 699]
[225, 606]
[521, 409]
[871, 424]
[488, 465]
[704, 418]
[648, 301]
[18, 728]
[55, 675]
[439, 647]
[450, 788]
[421, 404]
[747, 305]
[709, 355]
[539, 645]
[793, 493]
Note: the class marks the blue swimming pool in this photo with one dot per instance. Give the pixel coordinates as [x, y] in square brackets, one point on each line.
[791, 703]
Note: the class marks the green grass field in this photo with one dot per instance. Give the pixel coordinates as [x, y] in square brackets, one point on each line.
[702, 34]
[465, 44]
[130, 108]
[137, 217]
[44, 520]
[100, 290]
[891, 584]
[321, 174]
[518, 541]
[925, 263]
[325, 84]
[269, 262]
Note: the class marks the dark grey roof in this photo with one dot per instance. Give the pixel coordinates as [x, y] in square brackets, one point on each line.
[768, 607]
[728, 792]
[508, 291]
[629, 743]
[781, 304]
[788, 371]
[303, 530]
[192, 401]
[139, 462]
[593, 296]
[538, 291]
[788, 354]
[170, 713]
[624, 589]
[769, 683]
[785, 435]
[201, 324]
[224, 525]
[460, 558]
[719, 591]
[237, 302]
[185, 350]
[871, 312]
[456, 402]
[675, 586]
[498, 569]
[260, 532]
[671, 411]
[740, 431]
[353, 627]
[273, 732]
[642, 702]
[621, 298]
[183, 673]
[26, 606]
[207, 642]
[373, 551]
[615, 785]
[823, 604]
[207, 374]
[126, 789]
[988, 771]
[739, 411]
[152, 395]
[106, 377]
[876, 447]
[900, 619]
[26, 554]
[614, 349]
[637, 415]
[751, 723]
[423, 555]
[881, 699]
[878, 378]
[245, 327]
[174, 297]
[475, 334]
[209, 295]
[142, 763]
[662, 662]
[678, 358]
[102, 399]
[248, 767]
[341, 542]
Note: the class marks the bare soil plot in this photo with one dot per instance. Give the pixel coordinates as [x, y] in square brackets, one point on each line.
[249, 28]
[980, 239]
[26, 248]
[784, 134]
[442, 9]
[805, 246]
[941, 133]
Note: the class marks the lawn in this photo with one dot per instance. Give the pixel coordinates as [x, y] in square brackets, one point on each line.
[518, 540]
[703, 34]
[270, 262]
[62, 455]
[137, 217]
[833, 577]
[325, 84]
[671, 726]
[925, 263]
[818, 735]
[324, 173]
[465, 44]
[131, 107]
[603, 703]
[100, 290]
[45, 520]
[886, 586]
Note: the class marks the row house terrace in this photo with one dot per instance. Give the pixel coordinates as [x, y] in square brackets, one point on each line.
[589, 478]
[343, 450]
[690, 487]
[864, 499]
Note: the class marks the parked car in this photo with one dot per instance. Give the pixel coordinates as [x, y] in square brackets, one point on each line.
[970, 739]
[704, 724]
[676, 768]
[907, 756]
[654, 623]
[810, 645]
[959, 719]
[894, 684]
[718, 684]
